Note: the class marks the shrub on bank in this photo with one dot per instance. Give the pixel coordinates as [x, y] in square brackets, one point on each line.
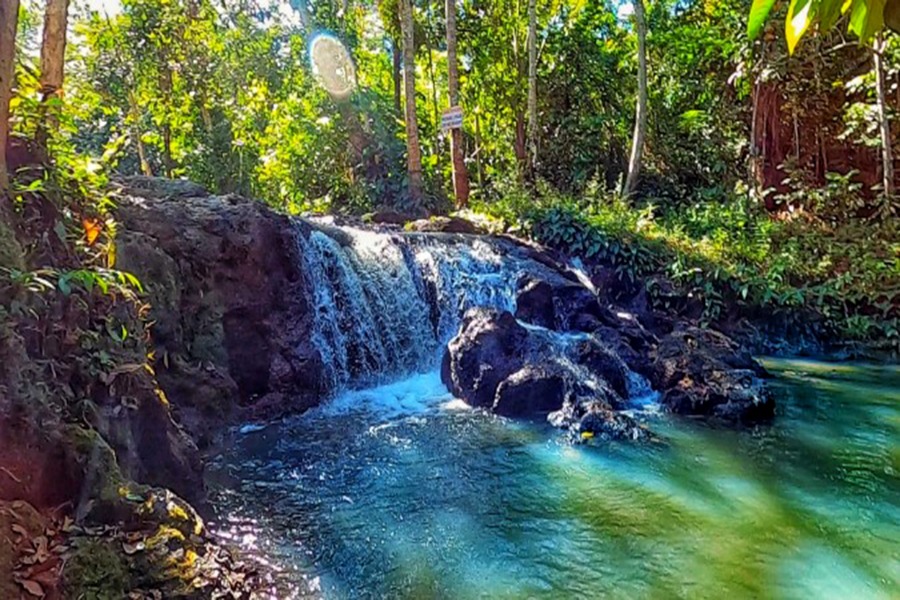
[731, 253]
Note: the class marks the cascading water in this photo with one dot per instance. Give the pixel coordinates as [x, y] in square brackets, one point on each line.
[385, 304]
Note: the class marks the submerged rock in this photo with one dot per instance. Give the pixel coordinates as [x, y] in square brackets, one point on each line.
[588, 419]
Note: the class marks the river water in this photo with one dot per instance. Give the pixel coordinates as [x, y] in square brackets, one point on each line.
[402, 492]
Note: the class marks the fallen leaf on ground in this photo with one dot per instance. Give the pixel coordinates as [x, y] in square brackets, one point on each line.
[33, 588]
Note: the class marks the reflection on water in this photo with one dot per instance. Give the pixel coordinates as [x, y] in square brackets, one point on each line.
[399, 492]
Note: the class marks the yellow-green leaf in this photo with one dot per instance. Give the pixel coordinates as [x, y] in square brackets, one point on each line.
[758, 14]
[797, 22]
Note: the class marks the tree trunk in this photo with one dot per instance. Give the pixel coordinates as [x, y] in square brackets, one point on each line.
[887, 159]
[397, 61]
[478, 151]
[519, 143]
[640, 122]
[532, 90]
[11, 255]
[136, 133]
[165, 85]
[9, 19]
[413, 151]
[460, 174]
[436, 111]
[53, 52]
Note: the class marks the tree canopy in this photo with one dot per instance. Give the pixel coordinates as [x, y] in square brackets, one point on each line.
[733, 132]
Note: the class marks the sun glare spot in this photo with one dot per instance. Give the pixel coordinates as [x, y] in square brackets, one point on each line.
[332, 65]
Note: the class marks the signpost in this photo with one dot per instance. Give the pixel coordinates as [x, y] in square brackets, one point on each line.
[452, 118]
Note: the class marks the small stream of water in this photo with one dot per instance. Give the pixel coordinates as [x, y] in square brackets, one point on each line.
[402, 492]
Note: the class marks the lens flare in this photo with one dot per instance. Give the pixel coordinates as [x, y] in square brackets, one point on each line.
[332, 65]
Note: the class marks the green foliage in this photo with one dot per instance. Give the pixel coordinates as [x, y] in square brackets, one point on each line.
[727, 252]
[96, 571]
[865, 18]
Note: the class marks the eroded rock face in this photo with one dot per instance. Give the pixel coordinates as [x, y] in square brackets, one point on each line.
[223, 279]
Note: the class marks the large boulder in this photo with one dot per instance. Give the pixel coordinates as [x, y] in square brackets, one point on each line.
[698, 371]
[227, 296]
[490, 346]
[703, 372]
[499, 364]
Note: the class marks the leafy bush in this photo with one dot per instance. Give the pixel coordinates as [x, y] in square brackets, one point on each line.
[729, 252]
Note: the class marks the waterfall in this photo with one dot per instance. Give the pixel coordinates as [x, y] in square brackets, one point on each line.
[385, 304]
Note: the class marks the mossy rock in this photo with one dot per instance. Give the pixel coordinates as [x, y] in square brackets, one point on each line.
[111, 497]
[96, 570]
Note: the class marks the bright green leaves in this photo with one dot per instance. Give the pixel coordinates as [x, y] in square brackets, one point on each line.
[866, 17]
[759, 12]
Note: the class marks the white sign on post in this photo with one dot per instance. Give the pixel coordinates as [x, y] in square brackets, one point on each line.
[452, 118]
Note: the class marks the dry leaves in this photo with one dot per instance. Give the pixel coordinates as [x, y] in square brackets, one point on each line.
[40, 550]
[33, 588]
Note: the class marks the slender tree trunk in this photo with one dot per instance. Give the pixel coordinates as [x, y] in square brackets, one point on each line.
[165, 85]
[413, 151]
[436, 114]
[53, 51]
[142, 156]
[478, 150]
[532, 131]
[397, 57]
[460, 174]
[887, 159]
[519, 143]
[11, 254]
[640, 122]
[9, 20]
[136, 133]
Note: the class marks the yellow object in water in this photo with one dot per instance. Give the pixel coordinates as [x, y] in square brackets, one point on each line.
[586, 435]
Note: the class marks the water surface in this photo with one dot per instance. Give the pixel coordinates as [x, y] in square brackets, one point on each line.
[402, 492]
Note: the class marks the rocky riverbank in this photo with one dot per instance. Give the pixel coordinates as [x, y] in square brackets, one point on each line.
[238, 311]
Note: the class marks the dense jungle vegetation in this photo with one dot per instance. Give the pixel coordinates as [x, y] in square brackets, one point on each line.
[748, 161]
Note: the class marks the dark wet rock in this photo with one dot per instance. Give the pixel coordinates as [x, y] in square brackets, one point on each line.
[591, 418]
[490, 347]
[599, 420]
[388, 217]
[536, 390]
[534, 302]
[223, 279]
[497, 363]
[703, 372]
[601, 362]
[559, 303]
